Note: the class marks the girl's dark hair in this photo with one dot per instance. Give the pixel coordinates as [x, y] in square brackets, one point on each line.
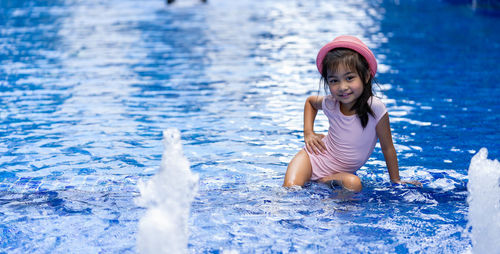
[351, 60]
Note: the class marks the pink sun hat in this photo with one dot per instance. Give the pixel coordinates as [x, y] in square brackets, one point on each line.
[350, 42]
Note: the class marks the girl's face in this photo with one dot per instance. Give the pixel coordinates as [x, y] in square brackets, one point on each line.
[345, 85]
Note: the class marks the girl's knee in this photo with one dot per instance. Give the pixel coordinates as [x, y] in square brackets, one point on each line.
[291, 183]
[294, 179]
[352, 183]
[299, 170]
[289, 180]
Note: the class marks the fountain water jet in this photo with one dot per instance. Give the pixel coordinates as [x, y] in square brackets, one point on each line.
[484, 203]
[167, 196]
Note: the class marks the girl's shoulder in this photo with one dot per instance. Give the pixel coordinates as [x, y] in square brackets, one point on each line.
[375, 101]
[378, 107]
[329, 103]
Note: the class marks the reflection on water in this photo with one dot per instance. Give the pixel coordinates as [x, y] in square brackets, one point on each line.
[88, 87]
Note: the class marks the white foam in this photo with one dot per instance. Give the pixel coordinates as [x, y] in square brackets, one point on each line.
[484, 203]
[167, 197]
[445, 184]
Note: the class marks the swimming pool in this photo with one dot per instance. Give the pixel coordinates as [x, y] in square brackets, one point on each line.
[87, 87]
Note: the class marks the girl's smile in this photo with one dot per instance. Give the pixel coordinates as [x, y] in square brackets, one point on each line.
[344, 95]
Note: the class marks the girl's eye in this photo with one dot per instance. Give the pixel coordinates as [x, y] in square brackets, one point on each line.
[350, 78]
[332, 81]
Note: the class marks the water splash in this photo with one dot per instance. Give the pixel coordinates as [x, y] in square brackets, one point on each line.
[484, 203]
[167, 197]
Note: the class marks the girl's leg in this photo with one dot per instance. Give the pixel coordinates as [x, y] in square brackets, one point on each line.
[346, 180]
[299, 170]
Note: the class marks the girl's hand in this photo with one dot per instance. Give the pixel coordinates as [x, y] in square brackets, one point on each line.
[414, 182]
[314, 142]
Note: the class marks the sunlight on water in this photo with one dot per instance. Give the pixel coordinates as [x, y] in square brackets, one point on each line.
[167, 197]
[484, 203]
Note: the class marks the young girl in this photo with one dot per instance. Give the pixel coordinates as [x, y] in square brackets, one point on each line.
[356, 118]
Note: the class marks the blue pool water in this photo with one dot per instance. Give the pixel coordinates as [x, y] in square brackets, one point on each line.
[87, 87]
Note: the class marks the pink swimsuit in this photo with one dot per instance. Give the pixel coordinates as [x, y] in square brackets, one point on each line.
[348, 145]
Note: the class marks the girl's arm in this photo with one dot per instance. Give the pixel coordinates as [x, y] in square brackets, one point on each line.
[313, 141]
[384, 135]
